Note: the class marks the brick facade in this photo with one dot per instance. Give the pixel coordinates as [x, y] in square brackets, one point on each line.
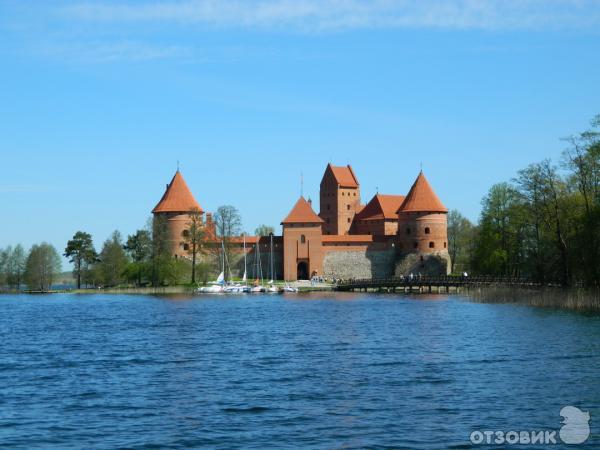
[391, 235]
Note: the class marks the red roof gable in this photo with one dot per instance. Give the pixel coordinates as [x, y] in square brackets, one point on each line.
[302, 212]
[381, 207]
[344, 176]
[421, 198]
[177, 197]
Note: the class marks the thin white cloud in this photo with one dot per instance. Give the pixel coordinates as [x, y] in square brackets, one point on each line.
[331, 15]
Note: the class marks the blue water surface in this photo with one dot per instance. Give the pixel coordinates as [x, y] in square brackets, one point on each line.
[311, 371]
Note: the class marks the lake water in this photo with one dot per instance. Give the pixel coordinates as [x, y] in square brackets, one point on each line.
[314, 371]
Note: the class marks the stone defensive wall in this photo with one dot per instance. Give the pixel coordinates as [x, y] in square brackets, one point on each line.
[344, 257]
[358, 256]
[364, 256]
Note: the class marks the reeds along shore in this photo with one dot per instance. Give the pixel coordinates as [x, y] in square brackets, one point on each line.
[580, 299]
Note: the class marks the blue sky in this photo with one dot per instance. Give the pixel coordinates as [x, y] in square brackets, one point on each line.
[99, 100]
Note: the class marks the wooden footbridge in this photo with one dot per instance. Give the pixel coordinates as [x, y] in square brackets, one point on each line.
[429, 284]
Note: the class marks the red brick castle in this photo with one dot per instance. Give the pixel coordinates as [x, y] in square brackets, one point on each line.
[389, 236]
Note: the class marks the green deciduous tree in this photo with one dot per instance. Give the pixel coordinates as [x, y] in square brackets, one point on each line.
[81, 253]
[460, 241]
[12, 266]
[264, 230]
[498, 247]
[4, 255]
[582, 159]
[228, 224]
[113, 260]
[139, 248]
[42, 266]
[18, 263]
[194, 237]
[545, 224]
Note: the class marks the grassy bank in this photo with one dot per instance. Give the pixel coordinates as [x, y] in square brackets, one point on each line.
[579, 299]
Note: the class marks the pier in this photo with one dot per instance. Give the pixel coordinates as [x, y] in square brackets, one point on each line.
[427, 284]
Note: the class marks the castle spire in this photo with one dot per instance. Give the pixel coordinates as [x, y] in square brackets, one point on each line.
[422, 198]
[177, 197]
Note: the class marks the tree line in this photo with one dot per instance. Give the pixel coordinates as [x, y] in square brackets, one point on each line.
[544, 224]
[142, 258]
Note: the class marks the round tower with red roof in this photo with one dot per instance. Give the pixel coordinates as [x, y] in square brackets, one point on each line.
[423, 222]
[175, 207]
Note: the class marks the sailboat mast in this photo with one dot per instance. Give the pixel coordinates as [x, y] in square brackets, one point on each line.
[271, 259]
[245, 259]
[223, 261]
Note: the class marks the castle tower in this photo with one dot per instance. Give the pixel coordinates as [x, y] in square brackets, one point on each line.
[174, 206]
[423, 221]
[340, 199]
[302, 243]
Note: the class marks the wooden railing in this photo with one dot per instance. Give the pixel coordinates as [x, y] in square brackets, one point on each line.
[431, 281]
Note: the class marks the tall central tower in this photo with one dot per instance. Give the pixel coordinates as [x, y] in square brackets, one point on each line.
[340, 199]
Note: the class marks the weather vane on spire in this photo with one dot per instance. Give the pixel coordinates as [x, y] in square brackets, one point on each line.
[177, 165]
[301, 184]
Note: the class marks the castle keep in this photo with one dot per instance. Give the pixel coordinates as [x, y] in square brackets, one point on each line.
[391, 235]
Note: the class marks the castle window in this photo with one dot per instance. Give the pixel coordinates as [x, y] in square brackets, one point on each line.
[431, 245]
[348, 207]
[349, 220]
[408, 231]
[445, 245]
[427, 230]
[185, 233]
[186, 247]
[355, 194]
[343, 193]
[303, 239]
[328, 207]
[416, 245]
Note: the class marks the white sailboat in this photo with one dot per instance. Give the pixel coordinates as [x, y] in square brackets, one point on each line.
[288, 288]
[217, 286]
[272, 289]
[258, 287]
[238, 288]
[214, 287]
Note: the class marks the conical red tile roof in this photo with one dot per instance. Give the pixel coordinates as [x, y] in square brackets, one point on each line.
[302, 212]
[381, 207]
[421, 198]
[177, 197]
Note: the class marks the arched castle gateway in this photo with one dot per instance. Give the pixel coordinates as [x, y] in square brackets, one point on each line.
[391, 235]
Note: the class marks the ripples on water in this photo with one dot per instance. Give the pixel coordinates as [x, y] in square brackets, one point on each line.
[317, 371]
